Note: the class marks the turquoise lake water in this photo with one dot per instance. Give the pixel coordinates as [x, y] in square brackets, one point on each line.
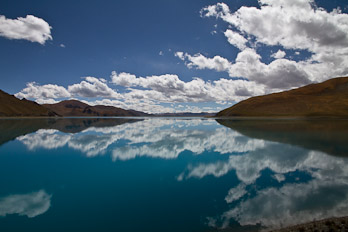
[170, 174]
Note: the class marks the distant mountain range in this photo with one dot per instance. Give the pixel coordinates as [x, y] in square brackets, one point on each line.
[77, 108]
[10, 106]
[326, 99]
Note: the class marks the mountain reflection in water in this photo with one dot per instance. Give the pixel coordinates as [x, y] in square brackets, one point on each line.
[247, 174]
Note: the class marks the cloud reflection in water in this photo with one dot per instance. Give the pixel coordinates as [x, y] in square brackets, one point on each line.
[30, 205]
[152, 138]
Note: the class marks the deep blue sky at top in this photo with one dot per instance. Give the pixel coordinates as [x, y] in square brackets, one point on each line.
[125, 36]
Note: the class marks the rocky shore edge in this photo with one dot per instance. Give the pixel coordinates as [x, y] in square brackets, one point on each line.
[325, 225]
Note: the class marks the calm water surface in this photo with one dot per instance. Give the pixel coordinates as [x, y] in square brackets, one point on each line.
[170, 174]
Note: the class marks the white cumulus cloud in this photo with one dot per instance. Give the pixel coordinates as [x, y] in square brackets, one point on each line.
[279, 54]
[169, 88]
[236, 39]
[93, 87]
[293, 25]
[279, 74]
[199, 61]
[34, 90]
[29, 28]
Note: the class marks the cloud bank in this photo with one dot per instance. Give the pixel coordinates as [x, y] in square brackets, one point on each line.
[293, 25]
[145, 93]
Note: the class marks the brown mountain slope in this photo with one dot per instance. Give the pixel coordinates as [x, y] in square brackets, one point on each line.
[10, 106]
[67, 108]
[329, 98]
[77, 108]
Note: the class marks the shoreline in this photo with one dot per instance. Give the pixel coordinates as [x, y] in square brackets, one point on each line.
[210, 117]
[324, 225]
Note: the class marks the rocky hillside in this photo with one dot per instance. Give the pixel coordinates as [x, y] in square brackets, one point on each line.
[10, 106]
[329, 98]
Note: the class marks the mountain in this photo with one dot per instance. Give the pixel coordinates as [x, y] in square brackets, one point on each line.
[77, 108]
[10, 106]
[329, 98]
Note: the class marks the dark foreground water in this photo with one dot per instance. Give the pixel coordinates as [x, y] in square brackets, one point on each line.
[170, 174]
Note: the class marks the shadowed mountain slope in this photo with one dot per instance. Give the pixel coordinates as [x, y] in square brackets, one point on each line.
[329, 98]
[10, 106]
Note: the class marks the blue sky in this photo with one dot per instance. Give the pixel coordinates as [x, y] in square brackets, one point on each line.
[163, 56]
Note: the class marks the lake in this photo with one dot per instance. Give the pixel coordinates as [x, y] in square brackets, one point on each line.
[170, 174]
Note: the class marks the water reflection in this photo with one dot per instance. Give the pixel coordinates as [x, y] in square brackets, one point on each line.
[319, 191]
[282, 172]
[329, 136]
[12, 128]
[156, 138]
[169, 141]
[311, 185]
[30, 204]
